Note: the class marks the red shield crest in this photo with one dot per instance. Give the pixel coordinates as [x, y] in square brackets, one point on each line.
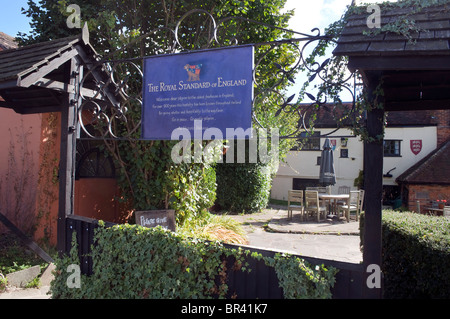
[416, 146]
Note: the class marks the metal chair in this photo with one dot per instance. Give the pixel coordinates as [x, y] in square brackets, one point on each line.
[313, 204]
[295, 202]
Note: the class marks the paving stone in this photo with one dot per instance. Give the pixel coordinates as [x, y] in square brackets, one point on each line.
[22, 277]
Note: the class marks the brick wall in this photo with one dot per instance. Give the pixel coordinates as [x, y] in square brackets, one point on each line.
[443, 125]
[425, 194]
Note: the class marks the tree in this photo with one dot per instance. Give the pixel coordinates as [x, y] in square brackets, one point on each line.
[149, 178]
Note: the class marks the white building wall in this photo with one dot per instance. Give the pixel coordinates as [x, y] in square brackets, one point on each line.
[428, 135]
[303, 164]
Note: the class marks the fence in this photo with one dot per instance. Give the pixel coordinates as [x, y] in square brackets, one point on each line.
[260, 283]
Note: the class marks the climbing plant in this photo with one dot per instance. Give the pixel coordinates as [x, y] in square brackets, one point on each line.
[148, 177]
[134, 262]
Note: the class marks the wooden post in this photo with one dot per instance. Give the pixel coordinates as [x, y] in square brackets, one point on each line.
[67, 154]
[373, 186]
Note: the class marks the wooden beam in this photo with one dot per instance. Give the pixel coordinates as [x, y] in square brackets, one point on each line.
[27, 241]
[67, 156]
[417, 105]
[42, 71]
[373, 186]
[392, 62]
[68, 88]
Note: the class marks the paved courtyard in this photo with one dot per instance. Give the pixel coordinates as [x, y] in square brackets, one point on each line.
[271, 229]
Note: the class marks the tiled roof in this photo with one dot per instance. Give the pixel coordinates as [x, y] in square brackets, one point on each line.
[432, 169]
[17, 62]
[6, 42]
[434, 39]
[326, 117]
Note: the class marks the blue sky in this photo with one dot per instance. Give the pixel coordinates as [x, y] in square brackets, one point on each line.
[11, 19]
[309, 14]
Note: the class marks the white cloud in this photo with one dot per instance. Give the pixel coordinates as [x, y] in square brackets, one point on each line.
[310, 14]
[320, 14]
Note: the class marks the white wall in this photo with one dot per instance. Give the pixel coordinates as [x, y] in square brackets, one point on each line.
[428, 135]
[302, 164]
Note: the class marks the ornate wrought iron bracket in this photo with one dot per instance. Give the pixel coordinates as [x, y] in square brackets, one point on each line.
[104, 109]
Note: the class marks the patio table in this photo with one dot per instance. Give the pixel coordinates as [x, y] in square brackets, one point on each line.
[334, 198]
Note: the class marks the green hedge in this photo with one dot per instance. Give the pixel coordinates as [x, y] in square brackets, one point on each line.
[130, 261]
[416, 255]
[243, 187]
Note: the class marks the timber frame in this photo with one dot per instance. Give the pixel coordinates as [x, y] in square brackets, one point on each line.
[413, 74]
[45, 77]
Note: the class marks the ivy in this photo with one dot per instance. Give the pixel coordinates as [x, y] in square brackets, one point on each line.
[404, 24]
[131, 261]
[299, 280]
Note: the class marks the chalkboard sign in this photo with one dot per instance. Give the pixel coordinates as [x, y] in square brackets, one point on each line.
[153, 218]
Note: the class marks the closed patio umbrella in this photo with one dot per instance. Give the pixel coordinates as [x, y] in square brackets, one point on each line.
[327, 176]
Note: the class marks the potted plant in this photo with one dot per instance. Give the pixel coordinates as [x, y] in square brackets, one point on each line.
[441, 203]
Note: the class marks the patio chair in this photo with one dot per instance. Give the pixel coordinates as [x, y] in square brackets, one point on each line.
[320, 189]
[295, 202]
[351, 206]
[446, 211]
[360, 203]
[344, 190]
[313, 205]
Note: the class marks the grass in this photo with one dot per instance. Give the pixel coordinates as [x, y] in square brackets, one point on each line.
[214, 227]
[278, 202]
[15, 256]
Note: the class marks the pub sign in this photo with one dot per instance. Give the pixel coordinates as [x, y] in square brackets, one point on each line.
[211, 87]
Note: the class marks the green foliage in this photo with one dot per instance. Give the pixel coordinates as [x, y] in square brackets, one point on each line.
[15, 256]
[194, 189]
[244, 184]
[130, 261]
[3, 283]
[213, 227]
[243, 187]
[299, 280]
[403, 24]
[416, 255]
[148, 178]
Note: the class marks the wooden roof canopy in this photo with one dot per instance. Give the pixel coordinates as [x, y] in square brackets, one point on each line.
[36, 78]
[415, 71]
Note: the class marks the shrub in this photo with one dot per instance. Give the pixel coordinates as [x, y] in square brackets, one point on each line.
[214, 227]
[243, 187]
[416, 255]
[130, 261]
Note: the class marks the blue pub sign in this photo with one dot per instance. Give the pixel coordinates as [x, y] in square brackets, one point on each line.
[196, 91]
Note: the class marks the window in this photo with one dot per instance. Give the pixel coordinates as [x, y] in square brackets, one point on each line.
[308, 142]
[302, 183]
[392, 148]
[92, 162]
[344, 153]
